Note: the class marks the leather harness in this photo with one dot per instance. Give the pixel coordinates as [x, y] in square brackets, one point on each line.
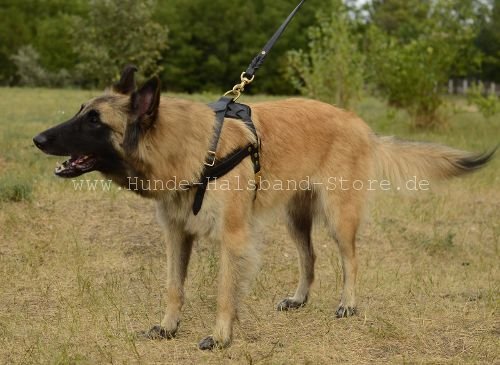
[225, 107]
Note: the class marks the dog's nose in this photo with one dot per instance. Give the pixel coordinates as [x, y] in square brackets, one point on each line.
[40, 141]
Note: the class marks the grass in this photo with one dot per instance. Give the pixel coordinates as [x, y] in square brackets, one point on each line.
[81, 271]
[15, 188]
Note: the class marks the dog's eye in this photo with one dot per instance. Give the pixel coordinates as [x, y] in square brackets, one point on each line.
[93, 117]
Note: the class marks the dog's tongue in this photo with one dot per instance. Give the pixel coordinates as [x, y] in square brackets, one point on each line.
[75, 166]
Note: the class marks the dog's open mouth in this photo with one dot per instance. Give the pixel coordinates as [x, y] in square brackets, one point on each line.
[76, 166]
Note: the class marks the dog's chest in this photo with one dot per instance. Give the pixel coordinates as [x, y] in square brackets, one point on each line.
[177, 211]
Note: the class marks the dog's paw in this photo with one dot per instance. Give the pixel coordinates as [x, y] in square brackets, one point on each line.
[158, 333]
[343, 312]
[209, 343]
[289, 303]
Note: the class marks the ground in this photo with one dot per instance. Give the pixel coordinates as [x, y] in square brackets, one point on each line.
[82, 271]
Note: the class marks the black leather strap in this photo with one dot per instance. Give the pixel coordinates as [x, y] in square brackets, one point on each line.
[220, 108]
[259, 59]
[215, 169]
[222, 168]
[243, 112]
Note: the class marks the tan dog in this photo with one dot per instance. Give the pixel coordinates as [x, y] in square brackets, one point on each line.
[317, 161]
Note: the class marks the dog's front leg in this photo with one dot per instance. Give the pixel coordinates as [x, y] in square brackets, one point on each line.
[237, 263]
[179, 246]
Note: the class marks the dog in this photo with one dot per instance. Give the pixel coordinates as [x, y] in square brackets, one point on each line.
[135, 136]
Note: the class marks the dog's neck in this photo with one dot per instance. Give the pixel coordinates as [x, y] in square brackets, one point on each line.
[175, 148]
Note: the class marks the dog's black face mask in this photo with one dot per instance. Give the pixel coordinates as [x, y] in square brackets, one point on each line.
[105, 129]
[86, 139]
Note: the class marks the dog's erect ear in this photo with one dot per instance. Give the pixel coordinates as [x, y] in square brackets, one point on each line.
[126, 85]
[145, 102]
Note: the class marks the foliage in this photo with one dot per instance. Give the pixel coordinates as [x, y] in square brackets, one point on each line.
[401, 19]
[208, 43]
[115, 33]
[332, 68]
[13, 34]
[28, 67]
[488, 105]
[54, 42]
[212, 42]
[410, 73]
[44, 26]
[31, 73]
[488, 40]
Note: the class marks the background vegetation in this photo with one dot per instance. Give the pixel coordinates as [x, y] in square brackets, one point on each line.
[402, 50]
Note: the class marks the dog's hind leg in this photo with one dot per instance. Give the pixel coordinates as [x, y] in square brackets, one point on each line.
[300, 218]
[343, 213]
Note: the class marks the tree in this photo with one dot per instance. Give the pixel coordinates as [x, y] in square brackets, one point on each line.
[207, 43]
[332, 68]
[488, 41]
[212, 42]
[13, 34]
[41, 25]
[401, 19]
[411, 72]
[115, 33]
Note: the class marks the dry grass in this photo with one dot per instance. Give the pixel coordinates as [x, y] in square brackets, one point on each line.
[80, 272]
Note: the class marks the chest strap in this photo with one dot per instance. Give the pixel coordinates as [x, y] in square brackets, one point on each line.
[225, 107]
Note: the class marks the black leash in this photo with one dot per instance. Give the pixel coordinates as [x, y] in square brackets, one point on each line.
[249, 75]
[226, 107]
[259, 59]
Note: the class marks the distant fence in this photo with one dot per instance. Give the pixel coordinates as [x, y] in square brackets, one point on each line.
[461, 86]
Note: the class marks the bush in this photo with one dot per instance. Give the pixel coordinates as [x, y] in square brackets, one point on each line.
[410, 76]
[488, 105]
[411, 73]
[332, 68]
[31, 73]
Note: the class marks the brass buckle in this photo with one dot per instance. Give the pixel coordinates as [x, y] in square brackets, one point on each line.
[211, 154]
[246, 79]
[239, 88]
[236, 93]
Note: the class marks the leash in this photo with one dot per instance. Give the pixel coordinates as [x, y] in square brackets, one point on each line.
[226, 107]
[249, 75]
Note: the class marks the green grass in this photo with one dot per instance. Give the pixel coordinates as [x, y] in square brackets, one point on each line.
[81, 271]
[15, 188]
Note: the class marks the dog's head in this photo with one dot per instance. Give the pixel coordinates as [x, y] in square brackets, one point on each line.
[105, 129]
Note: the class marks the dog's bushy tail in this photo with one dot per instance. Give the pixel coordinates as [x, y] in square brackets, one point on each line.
[399, 160]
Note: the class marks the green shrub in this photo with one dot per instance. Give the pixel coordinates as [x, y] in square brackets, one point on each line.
[31, 73]
[488, 105]
[411, 72]
[332, 68]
